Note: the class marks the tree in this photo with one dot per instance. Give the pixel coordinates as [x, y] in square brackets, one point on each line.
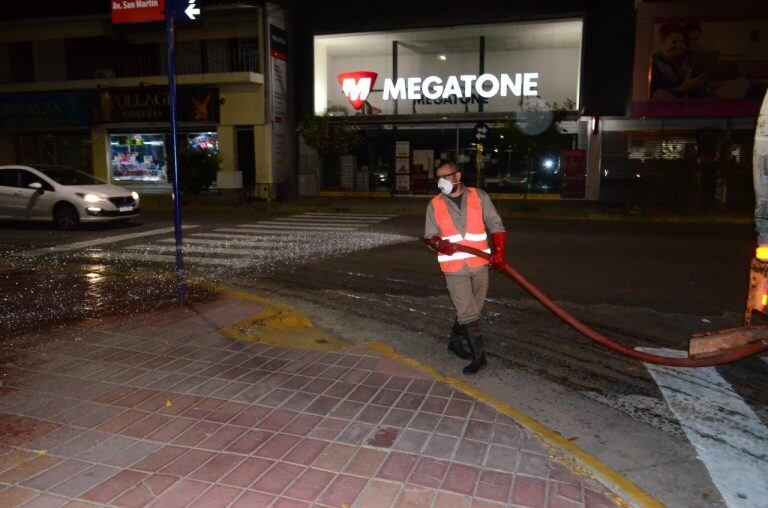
[330, 134]
[198, 168]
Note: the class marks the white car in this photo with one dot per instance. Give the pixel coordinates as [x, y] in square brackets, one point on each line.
[63, 194]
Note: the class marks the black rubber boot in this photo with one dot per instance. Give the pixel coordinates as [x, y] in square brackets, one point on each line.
[455, 344]
[476, 348]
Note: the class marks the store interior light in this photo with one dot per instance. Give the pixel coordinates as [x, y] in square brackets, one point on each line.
[442, 58]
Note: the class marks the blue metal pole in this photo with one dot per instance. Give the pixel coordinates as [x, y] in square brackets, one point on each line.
[171, 45]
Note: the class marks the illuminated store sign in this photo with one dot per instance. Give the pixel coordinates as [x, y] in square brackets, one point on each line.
[358, 84]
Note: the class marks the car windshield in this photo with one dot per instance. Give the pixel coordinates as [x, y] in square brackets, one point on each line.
[65, 175]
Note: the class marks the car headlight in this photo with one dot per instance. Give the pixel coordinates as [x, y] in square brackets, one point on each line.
[92, 198]
[135, 196]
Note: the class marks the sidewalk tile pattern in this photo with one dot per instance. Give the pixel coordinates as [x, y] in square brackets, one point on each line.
[162, 410]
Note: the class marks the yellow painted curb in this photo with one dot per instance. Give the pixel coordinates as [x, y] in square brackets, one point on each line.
[628, 491]
[277, 325]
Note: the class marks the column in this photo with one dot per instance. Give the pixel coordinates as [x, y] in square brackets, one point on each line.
[101, 153]
[229, 179]
[594, 150]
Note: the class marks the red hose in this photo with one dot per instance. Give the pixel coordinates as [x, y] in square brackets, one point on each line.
[731, 356]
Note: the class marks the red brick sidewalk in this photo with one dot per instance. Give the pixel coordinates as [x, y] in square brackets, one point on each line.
[163, 410]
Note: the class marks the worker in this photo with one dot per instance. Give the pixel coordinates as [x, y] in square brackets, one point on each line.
[462, 215]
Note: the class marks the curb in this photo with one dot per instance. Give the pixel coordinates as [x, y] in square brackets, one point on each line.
[624, 490]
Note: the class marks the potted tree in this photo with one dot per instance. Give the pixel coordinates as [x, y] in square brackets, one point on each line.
[332, 135]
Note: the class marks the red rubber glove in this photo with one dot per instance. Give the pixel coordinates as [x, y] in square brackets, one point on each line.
[497, 261]
[443, 246]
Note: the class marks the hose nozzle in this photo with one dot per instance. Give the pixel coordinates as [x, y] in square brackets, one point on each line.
[433, 243]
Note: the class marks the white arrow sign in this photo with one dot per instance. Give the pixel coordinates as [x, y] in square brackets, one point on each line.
[191, 10]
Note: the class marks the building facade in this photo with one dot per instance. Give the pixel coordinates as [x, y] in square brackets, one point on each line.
[636, 124]
[80, 90]
[700, 71]
[420, 84]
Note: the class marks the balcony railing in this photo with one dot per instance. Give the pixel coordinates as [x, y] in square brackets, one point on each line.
[134, 66]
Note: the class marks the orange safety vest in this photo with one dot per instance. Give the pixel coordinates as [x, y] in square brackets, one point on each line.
[475, 236]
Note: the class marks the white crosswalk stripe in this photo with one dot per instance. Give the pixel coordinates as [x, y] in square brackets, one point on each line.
[348, 215]
[193, 260]
[226, 241]
[244, 235]
[268, 231]
[297, 227]
[323, 220]
[191, 249]
[248, 245]
[730, 439]
[100, 241]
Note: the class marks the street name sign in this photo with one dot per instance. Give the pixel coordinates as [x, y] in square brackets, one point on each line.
[137, 11]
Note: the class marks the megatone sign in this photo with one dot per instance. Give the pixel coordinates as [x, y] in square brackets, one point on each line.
[357, 85]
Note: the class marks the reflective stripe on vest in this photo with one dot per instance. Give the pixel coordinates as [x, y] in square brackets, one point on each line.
[475, 237]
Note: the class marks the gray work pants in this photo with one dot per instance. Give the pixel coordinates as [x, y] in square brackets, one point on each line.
[467, 290]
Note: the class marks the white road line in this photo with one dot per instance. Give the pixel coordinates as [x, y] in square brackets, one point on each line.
[99, 241]
[354, 215]
[297, 227]
[226, 243]
[331, 219]
[196, 249]
[265, 231]
[251, 236]
[301, 225]
[321, 223]
[729, 437]
[138, 256]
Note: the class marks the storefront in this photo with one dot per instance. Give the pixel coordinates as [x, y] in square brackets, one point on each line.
[135, 123]
[700, 74]
[49, 128]
[131, 125]
[416, 98]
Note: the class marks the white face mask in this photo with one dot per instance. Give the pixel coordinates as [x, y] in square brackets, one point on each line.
[445, 185]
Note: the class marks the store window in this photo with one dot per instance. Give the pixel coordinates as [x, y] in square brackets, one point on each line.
[72, 150]
[482, 68]
[203, 141]
[138, 158]
[143, 158]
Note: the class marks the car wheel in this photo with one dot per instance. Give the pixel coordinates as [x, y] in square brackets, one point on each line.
[66, 217]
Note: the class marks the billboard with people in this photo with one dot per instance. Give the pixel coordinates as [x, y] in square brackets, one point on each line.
[704, 66]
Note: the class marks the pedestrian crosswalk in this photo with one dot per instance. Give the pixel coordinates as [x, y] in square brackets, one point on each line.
[301, 237]
[699, 404]
[729, 437]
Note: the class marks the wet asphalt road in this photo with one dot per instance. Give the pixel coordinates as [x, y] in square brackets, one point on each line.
[648, 285]
[645, 284]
